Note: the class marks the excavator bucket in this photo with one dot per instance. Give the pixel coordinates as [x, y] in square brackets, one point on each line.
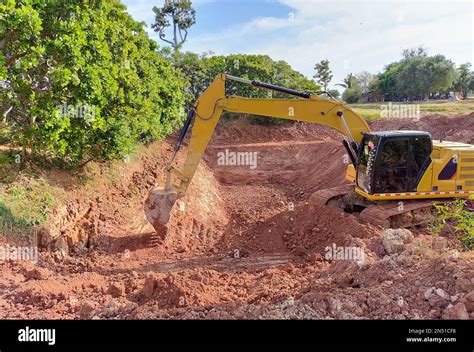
[158, 207]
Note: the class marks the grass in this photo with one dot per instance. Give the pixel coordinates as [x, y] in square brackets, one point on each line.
[373, 111]
[25, 198]
[27, 204]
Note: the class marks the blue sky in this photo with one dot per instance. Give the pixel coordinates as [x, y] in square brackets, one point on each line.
[354, 35]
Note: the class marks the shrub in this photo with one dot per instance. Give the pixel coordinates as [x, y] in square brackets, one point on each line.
[351, 95]
[454, 217]
[83, 80]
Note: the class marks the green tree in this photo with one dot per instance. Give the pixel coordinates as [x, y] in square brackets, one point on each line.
[414, 52]
[420, 76]
[200, 70]
[348, 82]
[323, 74]
[363, 81]
[464, 80]
[416, 76]
[177, 14]
[334, 93]
[82, 80]
[351, 95]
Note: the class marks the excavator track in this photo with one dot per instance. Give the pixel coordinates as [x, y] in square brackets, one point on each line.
[387, 214]
[331, 196]
[395, 214]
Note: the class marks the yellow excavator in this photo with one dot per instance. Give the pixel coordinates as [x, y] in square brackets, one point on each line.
[394, 175]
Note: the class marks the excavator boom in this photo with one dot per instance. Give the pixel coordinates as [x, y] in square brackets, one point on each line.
[406, 166]
[206, 114]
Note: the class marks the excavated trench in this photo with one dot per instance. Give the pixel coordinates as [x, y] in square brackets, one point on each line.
[245, 242]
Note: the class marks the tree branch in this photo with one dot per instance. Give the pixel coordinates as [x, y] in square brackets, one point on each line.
[185, 36]
[162, 37]
[11, 60]
[5, 114]
[6, 39]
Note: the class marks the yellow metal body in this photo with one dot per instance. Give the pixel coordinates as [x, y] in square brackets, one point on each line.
[213, 103]
[460, 185]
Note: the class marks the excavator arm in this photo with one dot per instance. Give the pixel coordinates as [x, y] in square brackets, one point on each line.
[206, 114]
[213, 102]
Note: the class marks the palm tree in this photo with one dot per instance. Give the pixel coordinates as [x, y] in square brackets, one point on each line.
[349, 82]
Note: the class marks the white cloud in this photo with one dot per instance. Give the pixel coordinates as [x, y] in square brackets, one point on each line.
[353, 35]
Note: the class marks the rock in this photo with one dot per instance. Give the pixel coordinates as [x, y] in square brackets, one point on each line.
[111, 309]
[429, 292]
[61, 245]
[59, 256]
[440, 243]
[464, 283]
[149, 286]
[440, 292]
[457, 312]
[454, 256]
[434, 314]
[400, 302]
[468, 301]
[394, 241]
[86, 310]
[38, 273]
[44, 237]
[116, 290]
[437, 301]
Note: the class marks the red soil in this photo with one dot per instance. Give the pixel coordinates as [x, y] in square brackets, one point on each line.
[248, 243]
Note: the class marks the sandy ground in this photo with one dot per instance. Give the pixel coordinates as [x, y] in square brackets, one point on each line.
[246, 243]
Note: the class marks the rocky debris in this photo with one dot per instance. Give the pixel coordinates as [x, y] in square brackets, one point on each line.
[38, 273]
[456, 312]
[110, 310]
[394, 240]
[429, 292]
[164, 289]
[440, 243]
[468, 301]
[61, 245]
[116, 289]
[192, 276]
[86, 310]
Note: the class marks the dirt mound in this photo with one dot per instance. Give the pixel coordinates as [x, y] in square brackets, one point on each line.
[242, 130]
[301, 166]
[183, 289]
[452, 128]
[112, 218]
[199, 219]
[311, 229]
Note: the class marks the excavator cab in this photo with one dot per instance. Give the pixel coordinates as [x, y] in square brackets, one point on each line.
[393, 161]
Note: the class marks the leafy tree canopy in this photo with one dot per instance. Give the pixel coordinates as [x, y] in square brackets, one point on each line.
[81, 79]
